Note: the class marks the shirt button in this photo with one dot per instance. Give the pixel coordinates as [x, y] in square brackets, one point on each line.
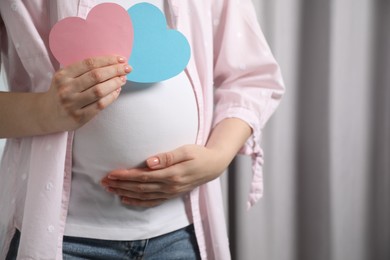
[13, 201]
[24, 177]
[48, 147]
[242, 67]
[49, 186]
[14, 6]
[50, 228]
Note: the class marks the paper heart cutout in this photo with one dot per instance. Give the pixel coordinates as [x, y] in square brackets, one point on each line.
[159, 53]
[107, 30]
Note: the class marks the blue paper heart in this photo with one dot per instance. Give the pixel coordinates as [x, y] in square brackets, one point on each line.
[159, 53]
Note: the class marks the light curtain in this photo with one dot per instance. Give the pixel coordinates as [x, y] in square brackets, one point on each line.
[327, 148]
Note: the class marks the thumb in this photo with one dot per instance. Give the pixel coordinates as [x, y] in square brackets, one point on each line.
[167, 159]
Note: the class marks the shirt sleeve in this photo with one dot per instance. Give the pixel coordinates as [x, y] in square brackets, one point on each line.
[247, 79]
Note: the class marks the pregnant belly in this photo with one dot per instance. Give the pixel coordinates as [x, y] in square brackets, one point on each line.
[146, 119]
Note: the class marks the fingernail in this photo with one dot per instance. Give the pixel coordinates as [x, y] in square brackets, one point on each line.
[121, 59]
[118, 90]
[111, 177]
[127, 68]
[153, 161]
[111, 190]
[125, 201]
[123, 79]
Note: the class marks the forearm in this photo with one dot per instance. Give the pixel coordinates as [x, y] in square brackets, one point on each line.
[227, 138]
[21, 114]
[77, 93]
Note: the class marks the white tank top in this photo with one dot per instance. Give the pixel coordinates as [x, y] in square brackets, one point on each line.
[145, 120]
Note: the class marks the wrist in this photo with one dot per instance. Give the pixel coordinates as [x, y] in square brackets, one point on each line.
[47, 120]
[219, 160]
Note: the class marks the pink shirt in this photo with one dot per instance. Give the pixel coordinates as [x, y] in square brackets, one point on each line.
[229, 52]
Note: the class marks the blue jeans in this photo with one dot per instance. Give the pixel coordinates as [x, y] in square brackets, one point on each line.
[179, 244]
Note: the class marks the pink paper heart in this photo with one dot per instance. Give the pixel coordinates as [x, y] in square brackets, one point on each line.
[107, 30]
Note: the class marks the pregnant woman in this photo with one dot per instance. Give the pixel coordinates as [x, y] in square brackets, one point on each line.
[97, 167]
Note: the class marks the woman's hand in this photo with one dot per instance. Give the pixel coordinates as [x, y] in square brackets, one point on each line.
[79, 91]
[172, 174]
[168, 175]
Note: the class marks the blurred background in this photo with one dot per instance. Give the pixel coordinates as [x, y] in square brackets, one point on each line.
[327, 148]
[2, 88]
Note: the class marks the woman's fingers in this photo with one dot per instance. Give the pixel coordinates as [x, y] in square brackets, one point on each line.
[136, 175]
[83, 115]
[79, 68]
[100, 92]
[167, 159]
[134, 187]
[138, 195]
[81, 90]
[97, 76]
[142, 203]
